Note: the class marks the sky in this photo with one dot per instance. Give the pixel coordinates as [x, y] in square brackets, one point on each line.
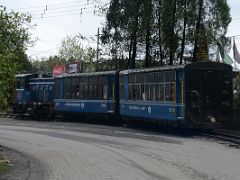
[55, 19]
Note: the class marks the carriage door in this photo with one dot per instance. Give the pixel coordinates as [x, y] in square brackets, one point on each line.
[111, 94]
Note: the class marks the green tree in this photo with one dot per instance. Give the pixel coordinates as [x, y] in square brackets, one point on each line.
[72, 48]
[165, 31]
[14, 38]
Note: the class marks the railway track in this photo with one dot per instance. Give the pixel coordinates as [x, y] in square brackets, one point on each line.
[230, 139]
[11, 115]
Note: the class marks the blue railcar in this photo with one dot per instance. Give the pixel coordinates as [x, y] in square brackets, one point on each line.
[34, 96]
[196, 94]
[87, 93]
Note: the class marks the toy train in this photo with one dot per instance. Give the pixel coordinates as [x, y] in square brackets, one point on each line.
[193, 95]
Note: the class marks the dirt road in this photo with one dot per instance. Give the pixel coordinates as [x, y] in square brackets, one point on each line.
[74, 151]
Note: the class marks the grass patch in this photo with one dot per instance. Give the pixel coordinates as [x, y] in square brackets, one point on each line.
[3, 167]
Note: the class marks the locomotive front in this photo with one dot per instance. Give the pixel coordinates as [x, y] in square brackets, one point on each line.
[208, 94]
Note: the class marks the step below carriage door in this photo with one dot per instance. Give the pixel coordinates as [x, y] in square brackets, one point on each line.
[111, 93]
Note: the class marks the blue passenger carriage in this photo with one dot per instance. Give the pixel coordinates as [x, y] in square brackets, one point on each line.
[153, 93]
[196, 94]
[87, 93]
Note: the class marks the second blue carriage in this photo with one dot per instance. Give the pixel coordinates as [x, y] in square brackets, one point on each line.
[87, 93]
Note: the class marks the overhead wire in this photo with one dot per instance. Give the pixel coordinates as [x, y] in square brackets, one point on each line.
[60, 15]
[54, 4]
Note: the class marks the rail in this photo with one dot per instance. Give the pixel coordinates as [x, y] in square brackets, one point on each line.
[230, 139]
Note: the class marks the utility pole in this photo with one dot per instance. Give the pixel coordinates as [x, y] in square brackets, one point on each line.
[97, 50]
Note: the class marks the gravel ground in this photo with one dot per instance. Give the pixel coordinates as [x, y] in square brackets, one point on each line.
[60, 151]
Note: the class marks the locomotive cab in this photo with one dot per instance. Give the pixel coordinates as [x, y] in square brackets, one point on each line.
[24, 95]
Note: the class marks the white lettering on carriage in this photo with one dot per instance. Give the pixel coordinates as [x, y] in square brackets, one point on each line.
[137, 108]
[82, 105]
[149, 109]
[72, 105]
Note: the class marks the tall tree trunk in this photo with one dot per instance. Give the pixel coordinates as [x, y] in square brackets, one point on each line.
[197, 31]
[134, 53]
[172, 51]
[160, 32]
[184, 32]
[148, 20]
[134, 48]
[147, 58]
[130, 51]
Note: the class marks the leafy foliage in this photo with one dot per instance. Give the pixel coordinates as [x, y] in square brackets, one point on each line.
[164, 31]
[71, 50]
[14, 38]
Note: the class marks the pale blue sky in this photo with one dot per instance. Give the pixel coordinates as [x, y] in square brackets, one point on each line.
[63, 18]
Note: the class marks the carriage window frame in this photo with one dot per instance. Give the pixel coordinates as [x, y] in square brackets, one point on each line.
[121, 87]
[170, 80]
[75, 88]
[67, 87]
[83, 87]
[157, 86]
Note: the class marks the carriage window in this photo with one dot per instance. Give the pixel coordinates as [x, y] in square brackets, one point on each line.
[105, 92]
[122, 91]
[149, 78]
[170, 92]
[67, 88]
[75, 87]
[130, 92]
[152, 92]
[57, 88]
[162, 92]
[159, 77]
[102, 87]
[138, 94]
[139, 78]
[92, 91]
[20, 83]
[157, 92]
[131, 79]
[95, 91]
[112, 91]
[99, 91]
[143, 95]
[170, 76]
[133, 96]
[147, 96]
[93, 87]
[83, 88]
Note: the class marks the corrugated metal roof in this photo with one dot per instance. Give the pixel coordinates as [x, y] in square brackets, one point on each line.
[22, 75]
[129, 71]
[87, 74]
